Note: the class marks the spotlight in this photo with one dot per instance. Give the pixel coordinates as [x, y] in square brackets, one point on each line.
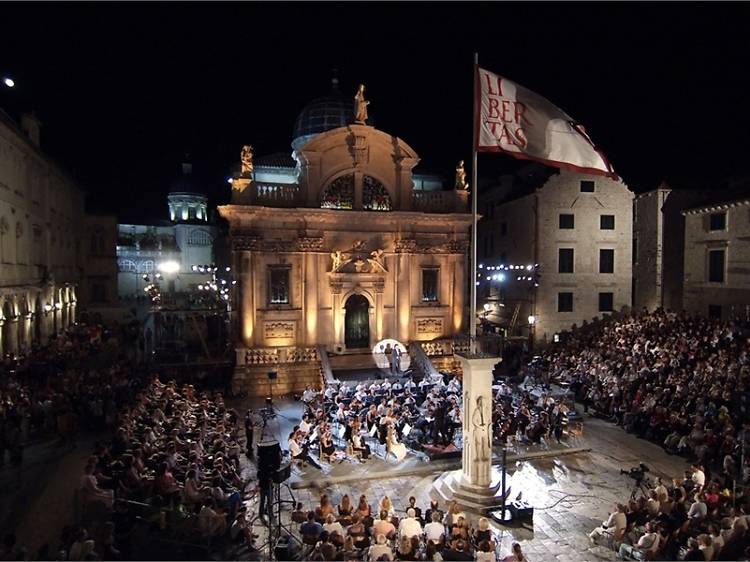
[9, 82]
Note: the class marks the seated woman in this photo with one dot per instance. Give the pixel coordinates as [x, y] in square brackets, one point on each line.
[91, 490]
[211, 522]
[165, 484]
[483, 533]
[324, 509]
[360, 446]
[327, 448]
[393, 446]
[363, 508]
[387, 505]
[405, 550]
[345, 507]
[193, 491]
[459, 530]
[358, 533]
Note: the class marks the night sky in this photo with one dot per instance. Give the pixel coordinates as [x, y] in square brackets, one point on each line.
[124, 90]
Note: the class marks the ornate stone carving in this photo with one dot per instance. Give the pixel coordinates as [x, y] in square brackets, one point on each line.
[450, 247]
[461, 184]
[430, 326]
[309, 243]
[357, 260]
[379, 285]
[246, 241]
[360, 150]
[279, 330]
[336, 287]
[360, 105]
[246, 161]
[405, 246]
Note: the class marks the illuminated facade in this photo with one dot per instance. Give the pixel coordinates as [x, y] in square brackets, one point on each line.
[41, 216]
[342, 245]
[170, 248]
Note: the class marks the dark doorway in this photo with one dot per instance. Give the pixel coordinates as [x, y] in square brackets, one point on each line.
[357, 322]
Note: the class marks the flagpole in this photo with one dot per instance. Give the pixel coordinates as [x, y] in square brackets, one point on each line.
[474, 197]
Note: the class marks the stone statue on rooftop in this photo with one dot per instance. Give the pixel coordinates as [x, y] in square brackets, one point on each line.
[360, 105]
[461, 177]
[246, 160]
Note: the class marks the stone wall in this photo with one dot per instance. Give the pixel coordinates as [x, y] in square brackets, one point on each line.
[292, 378]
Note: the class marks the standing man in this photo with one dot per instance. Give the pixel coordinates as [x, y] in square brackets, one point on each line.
[249, 430]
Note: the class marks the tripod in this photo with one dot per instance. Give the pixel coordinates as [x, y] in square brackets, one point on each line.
[643, 486]
[270, 411]
[273, 522]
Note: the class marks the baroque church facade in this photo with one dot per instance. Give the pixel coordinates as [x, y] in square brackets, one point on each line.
[343, 244]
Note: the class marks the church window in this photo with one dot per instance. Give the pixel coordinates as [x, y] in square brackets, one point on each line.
[278, 285]
[199, 238]
[128, 266]
[430, 284]
[339, 194]
[375, 196]
[146, 266]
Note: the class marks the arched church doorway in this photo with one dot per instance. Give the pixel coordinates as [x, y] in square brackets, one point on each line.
[357, 322]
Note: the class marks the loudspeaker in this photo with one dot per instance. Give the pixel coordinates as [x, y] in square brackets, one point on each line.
[521, 510]
[283, 474]
[273, 375]
[269, 456]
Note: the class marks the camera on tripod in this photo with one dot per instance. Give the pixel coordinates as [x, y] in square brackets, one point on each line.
[637, 473]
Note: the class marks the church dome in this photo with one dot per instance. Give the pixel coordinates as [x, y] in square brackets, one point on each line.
[323, 114]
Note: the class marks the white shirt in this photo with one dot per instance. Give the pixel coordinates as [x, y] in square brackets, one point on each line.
[294, 448]
[649, 542]
[334, 527]
[618, 521]
[378, 550]
[304, 426]
[699, 478]
[409, 527]
[698, 510]
[433, 531]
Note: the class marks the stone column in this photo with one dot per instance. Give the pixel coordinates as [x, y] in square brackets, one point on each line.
[476, 485]
[379, 287]
[247, 297]
[403, 304]
[311, 298]
[337, 315]
[459, 291]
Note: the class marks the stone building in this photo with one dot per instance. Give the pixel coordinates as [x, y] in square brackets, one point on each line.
[572, 230]
[717, 251]
[98, 298]
[659, 247]
[343, 245]
[168, 248]
[41, 213]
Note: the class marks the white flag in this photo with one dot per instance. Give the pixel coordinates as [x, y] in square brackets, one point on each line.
[522, 123]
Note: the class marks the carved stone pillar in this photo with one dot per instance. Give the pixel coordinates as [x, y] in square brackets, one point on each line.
[476, 485]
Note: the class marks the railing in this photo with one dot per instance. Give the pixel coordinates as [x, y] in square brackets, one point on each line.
[325, 367]
[277, 194]
[445, 346]
[439, 201]
[277, 355]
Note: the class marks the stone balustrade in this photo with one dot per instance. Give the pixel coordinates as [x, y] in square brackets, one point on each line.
[278, 195]
[440, 201]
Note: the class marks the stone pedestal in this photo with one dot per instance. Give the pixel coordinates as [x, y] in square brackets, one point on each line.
[475, 486]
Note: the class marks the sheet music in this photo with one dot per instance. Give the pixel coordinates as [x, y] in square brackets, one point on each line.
[342, 431]
[406, 430]
[374, 430]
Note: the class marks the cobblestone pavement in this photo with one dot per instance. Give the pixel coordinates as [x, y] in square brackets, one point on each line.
[571, 494]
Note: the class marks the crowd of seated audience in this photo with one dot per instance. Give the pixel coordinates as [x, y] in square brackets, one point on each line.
[60, 387]
[691, 518]
[356, 531]
[679, 380]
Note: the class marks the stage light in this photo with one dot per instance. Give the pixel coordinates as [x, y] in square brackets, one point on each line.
[170, 266]
[9, 82]
[532, 319]
[229, 180]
